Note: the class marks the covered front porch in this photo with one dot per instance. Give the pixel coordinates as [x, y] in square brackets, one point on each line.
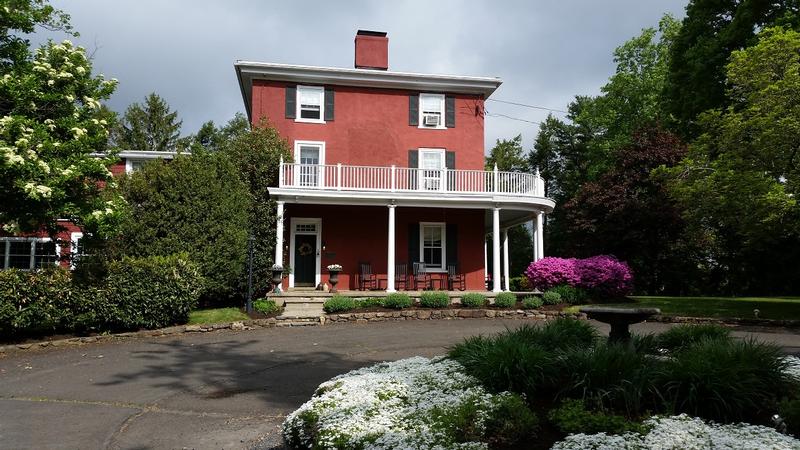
[395, 219]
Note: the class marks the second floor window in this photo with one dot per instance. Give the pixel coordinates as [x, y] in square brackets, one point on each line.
[310, 104]
[431, 111]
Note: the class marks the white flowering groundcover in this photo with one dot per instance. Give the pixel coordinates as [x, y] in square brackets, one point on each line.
[388, 406]
[398, 405]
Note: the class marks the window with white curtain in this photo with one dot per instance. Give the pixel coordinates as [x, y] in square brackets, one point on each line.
[431, 111]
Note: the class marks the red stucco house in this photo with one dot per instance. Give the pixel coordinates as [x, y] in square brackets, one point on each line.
[38, 250]
[388, 170]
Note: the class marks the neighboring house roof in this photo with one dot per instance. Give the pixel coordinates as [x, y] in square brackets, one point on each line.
[247, 71]
[142, 154]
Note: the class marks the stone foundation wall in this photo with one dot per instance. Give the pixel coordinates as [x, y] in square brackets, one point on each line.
[445, 314]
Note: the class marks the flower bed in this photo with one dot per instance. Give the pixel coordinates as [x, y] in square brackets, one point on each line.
[684, 433]
[411, 403]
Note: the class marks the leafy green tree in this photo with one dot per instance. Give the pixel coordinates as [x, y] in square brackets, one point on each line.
[256, 154]
[149, 126]
[195, 204]
[711, 30]
[19, 17]
[508, 155]
[51, 121]
[739, 182]
[629, 214]
[213, 138]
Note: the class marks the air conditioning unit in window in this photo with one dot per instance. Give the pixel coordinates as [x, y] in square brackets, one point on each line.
[430, 120]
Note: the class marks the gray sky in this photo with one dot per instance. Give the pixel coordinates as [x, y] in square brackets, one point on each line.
[546, 52]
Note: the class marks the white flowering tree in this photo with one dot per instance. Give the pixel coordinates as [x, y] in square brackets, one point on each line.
[52, 125]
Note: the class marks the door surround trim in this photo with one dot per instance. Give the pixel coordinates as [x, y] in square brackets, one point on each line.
[293, 223]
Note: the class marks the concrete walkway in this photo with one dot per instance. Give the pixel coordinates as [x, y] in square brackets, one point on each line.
[216, 390]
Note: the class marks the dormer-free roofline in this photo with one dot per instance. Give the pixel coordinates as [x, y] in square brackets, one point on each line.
[247, 71]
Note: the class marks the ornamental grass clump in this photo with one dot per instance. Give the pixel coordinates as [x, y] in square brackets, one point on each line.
[473, 300]
[434, 299]
[339, 303]
[505, 300]
[683, 336]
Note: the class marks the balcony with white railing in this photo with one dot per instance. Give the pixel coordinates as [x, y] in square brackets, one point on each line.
[341, 177]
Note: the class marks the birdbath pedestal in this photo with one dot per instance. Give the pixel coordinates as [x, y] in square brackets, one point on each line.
[619, 319]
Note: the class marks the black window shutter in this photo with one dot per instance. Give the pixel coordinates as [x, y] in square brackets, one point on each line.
[413, 109]
[450, 111]
[413, 163]
[450, 163]
[451, 241]
[328, 103]
[291, 102]
[413, 244]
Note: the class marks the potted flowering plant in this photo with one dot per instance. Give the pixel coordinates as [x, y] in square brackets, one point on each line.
[277, 277]
[334, 270]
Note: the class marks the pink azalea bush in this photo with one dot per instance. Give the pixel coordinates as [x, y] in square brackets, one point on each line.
[603, 275]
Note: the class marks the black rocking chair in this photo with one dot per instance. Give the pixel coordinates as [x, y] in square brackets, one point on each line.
[401, 275]
[455, 278]
[421, 276]
[366, 279]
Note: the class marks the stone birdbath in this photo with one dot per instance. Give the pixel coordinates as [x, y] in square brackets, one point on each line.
[619, 319]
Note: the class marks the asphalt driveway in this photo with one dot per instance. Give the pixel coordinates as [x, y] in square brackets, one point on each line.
[224, 389]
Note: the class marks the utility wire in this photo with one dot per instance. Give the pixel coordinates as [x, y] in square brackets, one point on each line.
[526, 105]
[512, 118]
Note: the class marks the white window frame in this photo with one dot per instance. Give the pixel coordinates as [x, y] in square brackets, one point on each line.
[320, 90]
[443, 227]
[129, 163]
[441, 125]
[421, 178]
[293, 223]
[6, 251]
[321, 164]
[73, 250]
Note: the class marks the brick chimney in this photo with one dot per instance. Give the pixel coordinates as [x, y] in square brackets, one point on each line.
[372, 50]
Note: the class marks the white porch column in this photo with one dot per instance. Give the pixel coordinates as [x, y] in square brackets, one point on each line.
[485, 259]
[507, 283]
[540, 235]
[535, 239]
[279, 236]
[390, 252]
[496, 250]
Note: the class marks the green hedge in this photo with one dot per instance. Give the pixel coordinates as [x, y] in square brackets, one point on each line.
[398, 301]
[505, 300]
[551, 297]
[338, 303]
[266, 306]
[434, 299]
[137, 293]
[473, 300]
[531, 302]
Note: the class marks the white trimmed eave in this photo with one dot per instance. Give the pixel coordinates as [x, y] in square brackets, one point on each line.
[247, 71]
[140, 154]
[414, 199]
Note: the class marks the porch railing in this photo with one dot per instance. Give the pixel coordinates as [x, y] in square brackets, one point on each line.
[341, 177]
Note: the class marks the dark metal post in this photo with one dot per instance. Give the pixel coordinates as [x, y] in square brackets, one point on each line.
[249, 307]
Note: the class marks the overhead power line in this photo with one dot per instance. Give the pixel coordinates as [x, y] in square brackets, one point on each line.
[526, 105]
[512, 118]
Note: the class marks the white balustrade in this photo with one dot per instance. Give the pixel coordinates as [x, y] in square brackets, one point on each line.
[343, 177]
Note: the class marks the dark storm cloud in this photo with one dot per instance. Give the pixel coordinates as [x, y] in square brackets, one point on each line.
[546, 52]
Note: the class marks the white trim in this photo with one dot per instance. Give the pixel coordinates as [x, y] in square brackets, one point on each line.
[321, 171]
[496, 250]
[247, 71]
[443, 227]
[293, 222]
[321, 91]
[390, 256]
[74, 237]
[129, 163]
[442, 107]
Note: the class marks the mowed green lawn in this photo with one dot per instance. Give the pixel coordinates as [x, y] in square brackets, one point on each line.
[217, 315]
[787, 308]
